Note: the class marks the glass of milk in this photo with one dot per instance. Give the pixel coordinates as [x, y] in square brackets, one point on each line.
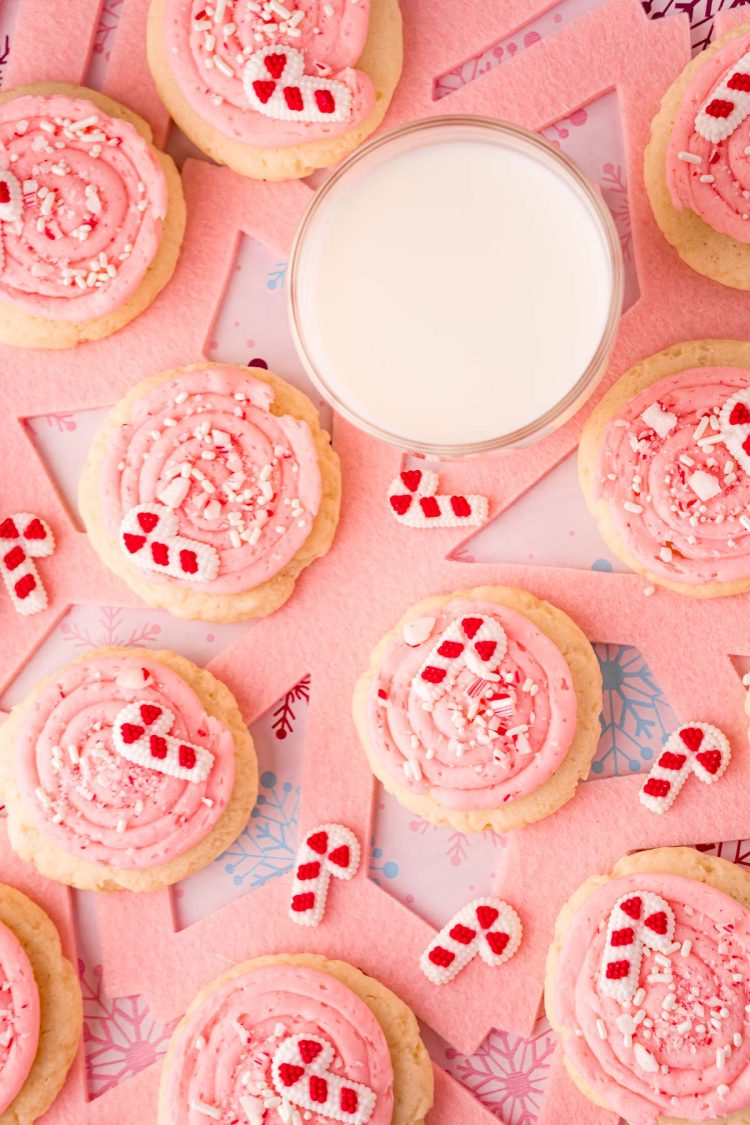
[455, 286]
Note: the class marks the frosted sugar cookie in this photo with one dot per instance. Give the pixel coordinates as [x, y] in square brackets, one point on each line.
[209, 489]
[91, 216]
[127, 769]
[481, 709]
[276, 90]
[697, 164]
[296, 1036]
[665, 470]
[648, 985]
[41, 1013]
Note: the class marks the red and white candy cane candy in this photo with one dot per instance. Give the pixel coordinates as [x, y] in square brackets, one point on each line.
[24, 537]
[331, 850]
[488, 927]
[413, 502]
[734, 426]
[141, 734]
[475, 641]
[149, 536]
[696, 748]
[277, 86]
[301, 1074]
[727, 105]
[638, 920]
[11, 197]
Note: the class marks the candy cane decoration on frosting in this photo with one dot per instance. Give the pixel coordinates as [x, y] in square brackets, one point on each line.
[149, 536]
[639, 920]
[727, 105]
[696, 748]
[488, 927]
[141, 734]
[477, 642]
[418, 506]
[301, 1074]
[734, 426]
[276, 86]
[24, 537]
[329, 850]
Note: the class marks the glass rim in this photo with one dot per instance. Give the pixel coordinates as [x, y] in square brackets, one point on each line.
[576, 395]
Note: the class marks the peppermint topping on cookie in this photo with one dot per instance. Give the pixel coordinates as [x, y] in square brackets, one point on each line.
[207, 486]
[674, 471]
[473, 706]
[82, 200]
[653, 993]
[119, 764]
[285, 1039]
[708, 169]
[271, 74]
[19, 1017]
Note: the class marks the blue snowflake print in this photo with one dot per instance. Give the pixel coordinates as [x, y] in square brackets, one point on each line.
[267, 845]
[380, 867]
[276, 278]
[636, 718]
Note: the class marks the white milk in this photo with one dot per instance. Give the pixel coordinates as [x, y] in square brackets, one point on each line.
[454, 292]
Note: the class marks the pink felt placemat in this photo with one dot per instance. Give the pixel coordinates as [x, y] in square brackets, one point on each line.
[362, 587]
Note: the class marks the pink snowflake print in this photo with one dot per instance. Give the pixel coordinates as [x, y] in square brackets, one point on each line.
[65, 423]
[111, 630]
[508, 1074]
[110, 18]
[615, 192]
[457, 847]
[736, 851]
[284, 717]
[120, 1037]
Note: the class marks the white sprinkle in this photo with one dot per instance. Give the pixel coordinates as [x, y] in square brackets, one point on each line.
[707, 179]
[722, 1090]
[689, 157]
[412, 770]
[121, 825]
[683, 1028]
[720, 1057]
[205, 1109]
[737, 1039]
[601, 1029]
[200, 1043]
[686, 947]
[42, 797]
[660, 420]
[417, 631]
[665, 554]
[138, 807]
[645, 1059]
[74, 754]
[669, 1002]
[704, 485]
[649, 591]
[639, 997]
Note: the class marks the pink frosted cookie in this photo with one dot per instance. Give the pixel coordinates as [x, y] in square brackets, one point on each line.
[91, 216]
[665, 471]
[296, 1036]
[40, 1010]
[648, 983]
[471, 714]
[698, 161]
[276, 90]
[209, 489]
[126, 769]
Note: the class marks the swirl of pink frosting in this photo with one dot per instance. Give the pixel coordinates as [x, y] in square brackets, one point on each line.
[208, 45]
[688, 1055]
[19, 1017]
[224, 1050]
[241, 479]
[94, 803]
[467, 752]
[93, 198]
[712, 178]
[678, 501]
